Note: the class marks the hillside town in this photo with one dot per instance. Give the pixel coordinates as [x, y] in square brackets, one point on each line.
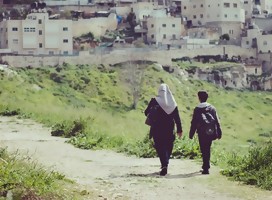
[53, 32]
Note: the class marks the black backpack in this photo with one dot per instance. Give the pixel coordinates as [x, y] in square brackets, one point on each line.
[208, 125]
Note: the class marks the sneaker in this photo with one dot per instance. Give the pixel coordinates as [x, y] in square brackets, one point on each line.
[205, 171]
[163, 171]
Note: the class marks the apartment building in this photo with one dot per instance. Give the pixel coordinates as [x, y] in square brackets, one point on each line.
[163, 30]
[194, 12]
[266, 5]
[248, 7]
[227, 15]
[37, 35]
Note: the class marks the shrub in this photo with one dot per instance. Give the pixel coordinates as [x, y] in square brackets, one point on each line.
[254, 168]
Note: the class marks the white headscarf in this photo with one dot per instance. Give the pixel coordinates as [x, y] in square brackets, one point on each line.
[165, 99]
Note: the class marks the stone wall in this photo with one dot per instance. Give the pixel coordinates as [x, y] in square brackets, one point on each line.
[163, 57]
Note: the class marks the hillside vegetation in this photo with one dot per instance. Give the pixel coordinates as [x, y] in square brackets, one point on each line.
[102, 107]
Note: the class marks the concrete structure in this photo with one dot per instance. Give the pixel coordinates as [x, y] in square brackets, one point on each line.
[194, 11]
[124, 55]
[248, 7]
[254, 68]
[142, 9]
[249, 39]
[97, 26]
[266, 5]
[163, 30]
[37, 34]
[227, 15]
[67, 2]
[264, 43]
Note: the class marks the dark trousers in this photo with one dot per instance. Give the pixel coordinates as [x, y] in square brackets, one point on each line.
[164, 149]
[205, 148]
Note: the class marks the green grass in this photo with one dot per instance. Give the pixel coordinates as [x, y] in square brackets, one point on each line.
[25, 179]
[100, 98]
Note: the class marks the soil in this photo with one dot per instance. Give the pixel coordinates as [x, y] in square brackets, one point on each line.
[109, 175]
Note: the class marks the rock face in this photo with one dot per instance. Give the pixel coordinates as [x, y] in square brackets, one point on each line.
[227, 75]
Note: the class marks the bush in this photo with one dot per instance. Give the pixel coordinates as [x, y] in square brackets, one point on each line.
[25, 180]
[254, 168]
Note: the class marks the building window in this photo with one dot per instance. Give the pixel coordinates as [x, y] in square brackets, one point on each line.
[40, 32]
[164, 36]
[226, 16]
[15, 41]
[173, 25]
[51, 52]
[201, 5]
[245, 2]
[235, 5]
[209, 5]
[152, 25]
[29, 29]
[152, 36]
[226, 5]
[40, 21]
[201, 15]
[184, 7]
[236, 16]
[65, 41]
[30, 52]
[194, 16]
[265, 43]
[14, 29]
[65, 53]
[40, 45]
[174, 37]
[6, 41]
[247, 42]
[1, 29]
[65, 29]
[163, 25]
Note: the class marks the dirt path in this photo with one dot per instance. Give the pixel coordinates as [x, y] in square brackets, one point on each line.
[116, 176]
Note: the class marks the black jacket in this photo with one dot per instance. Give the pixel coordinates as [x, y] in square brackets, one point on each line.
[165, 126]
[195, 123]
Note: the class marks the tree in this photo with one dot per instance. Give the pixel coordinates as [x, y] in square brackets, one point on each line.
[225, 37]
[131, 19]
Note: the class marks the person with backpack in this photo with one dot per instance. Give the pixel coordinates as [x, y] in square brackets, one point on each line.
[163, 113]
[207, 125]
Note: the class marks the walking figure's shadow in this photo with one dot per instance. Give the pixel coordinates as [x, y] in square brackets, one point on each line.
[169, 176]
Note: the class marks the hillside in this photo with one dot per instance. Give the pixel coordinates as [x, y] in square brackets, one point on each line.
[104, 96]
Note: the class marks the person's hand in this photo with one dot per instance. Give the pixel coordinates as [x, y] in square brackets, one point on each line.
[179, 134]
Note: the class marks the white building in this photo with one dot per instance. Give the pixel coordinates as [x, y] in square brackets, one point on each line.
[227, 15]
[37, 35]
[163, 30]
[266, 5]
[67, 2]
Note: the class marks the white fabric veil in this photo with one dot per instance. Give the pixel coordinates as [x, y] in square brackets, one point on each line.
[165, 99]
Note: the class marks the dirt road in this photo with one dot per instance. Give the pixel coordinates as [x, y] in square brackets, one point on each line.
[116, 176]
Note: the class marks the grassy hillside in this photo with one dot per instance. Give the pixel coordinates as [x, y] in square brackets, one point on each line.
[102, 96]
[103, 106]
